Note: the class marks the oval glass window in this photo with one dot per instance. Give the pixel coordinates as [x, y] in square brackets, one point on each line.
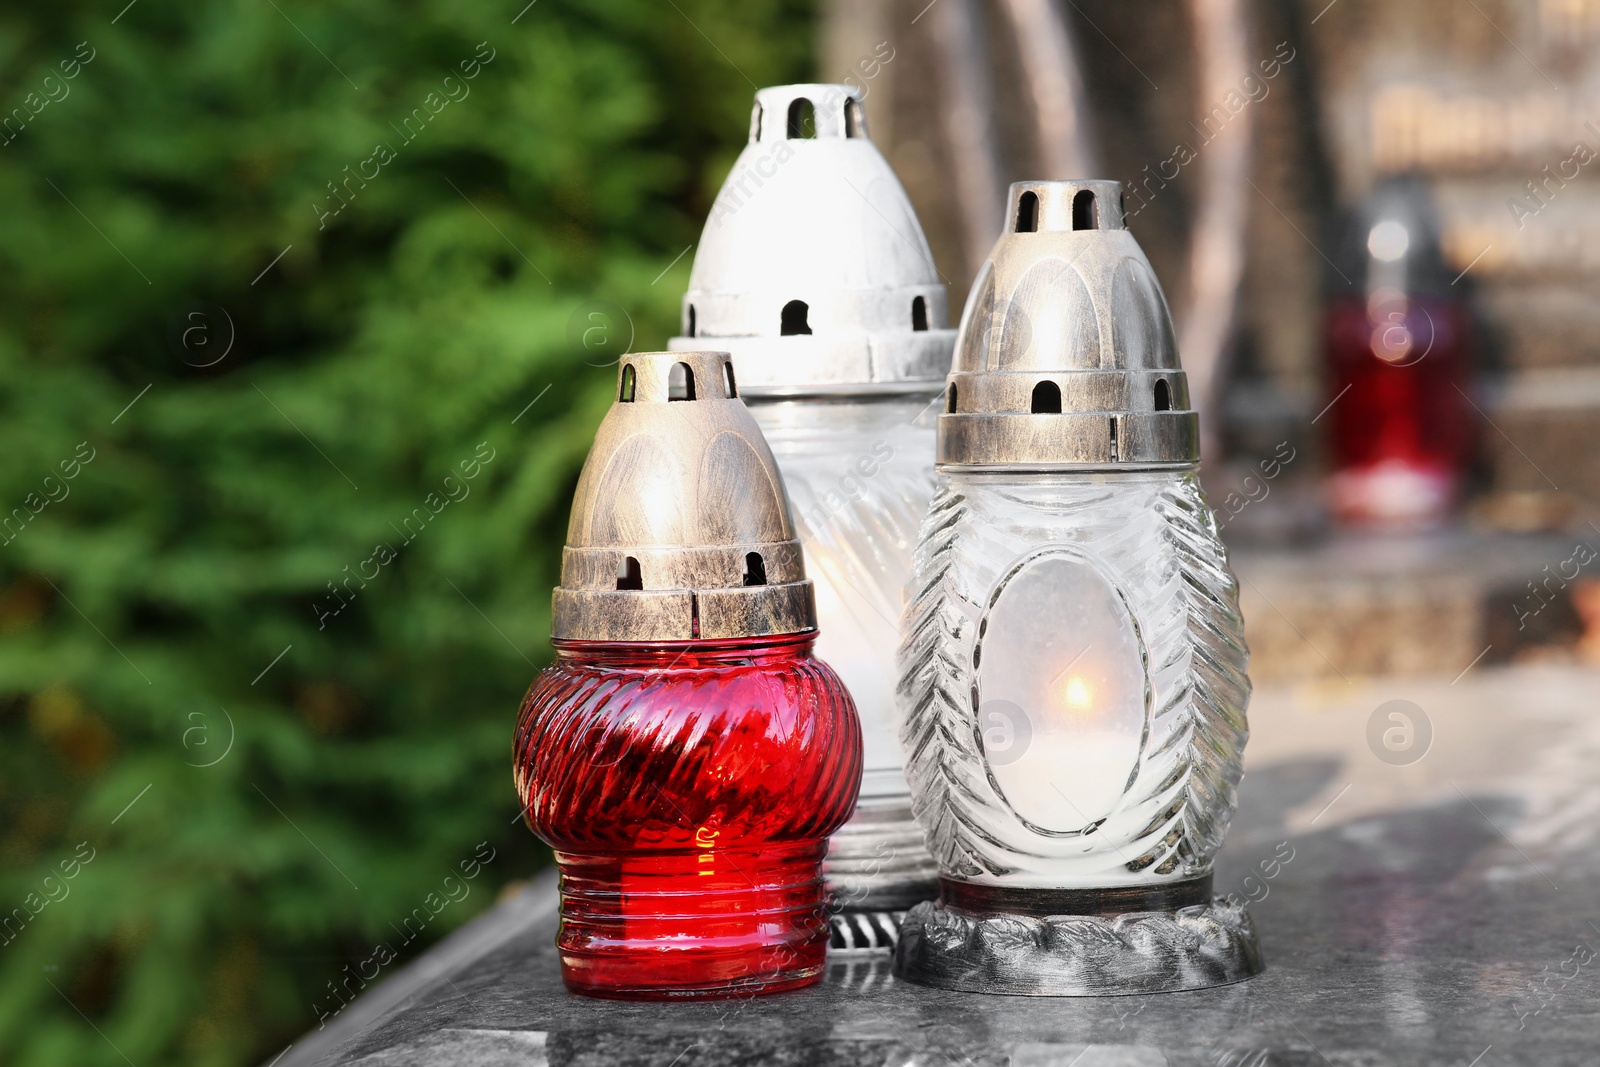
[1062, 694]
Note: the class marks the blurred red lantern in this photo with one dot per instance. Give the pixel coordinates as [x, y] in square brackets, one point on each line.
[1399, 357]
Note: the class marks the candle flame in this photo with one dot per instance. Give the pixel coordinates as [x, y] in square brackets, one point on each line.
[1078, 694]
[706, 838]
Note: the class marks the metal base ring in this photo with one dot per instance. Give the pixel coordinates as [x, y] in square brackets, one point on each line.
[1194, 947]
[863, 931]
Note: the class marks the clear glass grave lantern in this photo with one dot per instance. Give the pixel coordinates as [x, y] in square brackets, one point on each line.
[686, 756]
[1072, 678]
[814, 274]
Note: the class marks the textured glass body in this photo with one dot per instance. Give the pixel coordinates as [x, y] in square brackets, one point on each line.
[688, 791]
[859, 476]
[1072, 679]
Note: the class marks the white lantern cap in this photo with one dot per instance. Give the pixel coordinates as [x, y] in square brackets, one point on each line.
[812, 269]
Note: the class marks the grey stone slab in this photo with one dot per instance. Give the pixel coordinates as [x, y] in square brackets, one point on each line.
[1428, 913]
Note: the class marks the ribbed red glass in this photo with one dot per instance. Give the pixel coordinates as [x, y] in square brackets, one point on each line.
[688, 790]
[1399, 414]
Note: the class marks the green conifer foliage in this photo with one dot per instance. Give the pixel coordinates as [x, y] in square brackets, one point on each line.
[308, 315]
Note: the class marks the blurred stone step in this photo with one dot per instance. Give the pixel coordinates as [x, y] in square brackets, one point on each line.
[1536, 444]
[1542, 326]
[1426, 603]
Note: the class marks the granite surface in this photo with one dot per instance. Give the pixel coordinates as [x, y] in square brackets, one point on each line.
[1432, 906]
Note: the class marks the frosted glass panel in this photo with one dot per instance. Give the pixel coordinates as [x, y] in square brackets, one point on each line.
[859, 477]
[1062, 694]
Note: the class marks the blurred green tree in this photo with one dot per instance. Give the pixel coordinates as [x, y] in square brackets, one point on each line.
[307, 323]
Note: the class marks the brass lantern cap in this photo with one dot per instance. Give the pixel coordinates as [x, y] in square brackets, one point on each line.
[1065, 357]
[680, 527]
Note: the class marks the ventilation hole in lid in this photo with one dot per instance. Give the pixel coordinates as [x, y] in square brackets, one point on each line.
[855, 122]
[1113, 423]
[755, 569]
[919, 314]
[1085, 212]
[727, 377]
[802, 119]
[1163, 396]
[694, 614]
[795, 315]
[1047, 399]
[691, 325]
[1028, 213]
[628, 381]
[680, 382]
[950, 400]
[628, 576]
[756, 118]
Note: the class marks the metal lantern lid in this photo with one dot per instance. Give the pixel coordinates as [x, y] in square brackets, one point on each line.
[1065, 357]
[680, 528]
[812, 269]
[1391, 242]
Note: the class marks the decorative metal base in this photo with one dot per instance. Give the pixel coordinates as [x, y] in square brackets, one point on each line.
[864, 931]
[1192, 947]
[877, 867]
